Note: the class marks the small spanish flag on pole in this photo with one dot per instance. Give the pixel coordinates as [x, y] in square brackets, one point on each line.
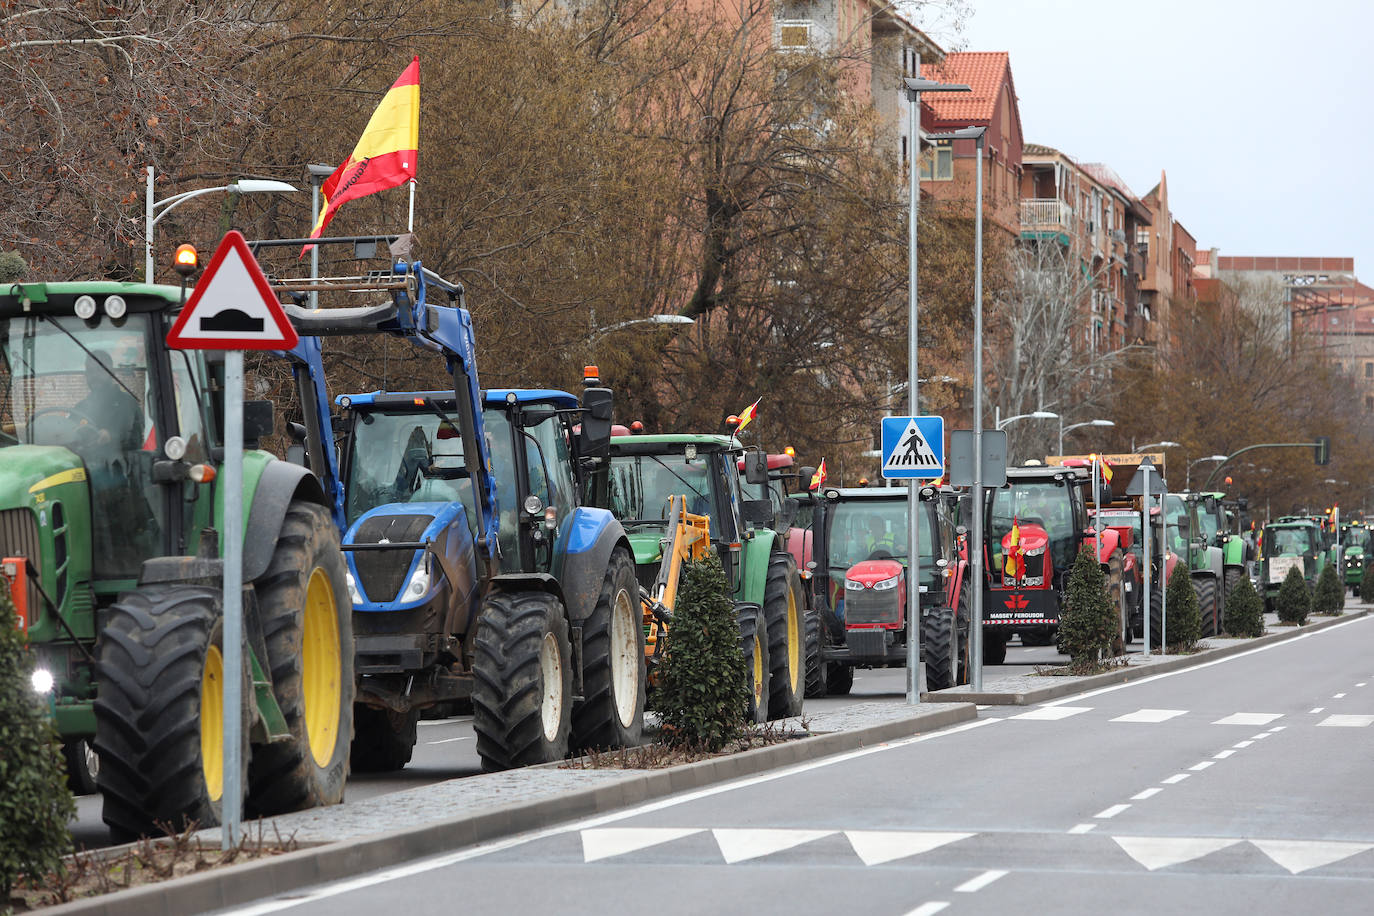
[1012, 570]
[818, 478]
[1106, 468]
[385, 156]
[747, 416]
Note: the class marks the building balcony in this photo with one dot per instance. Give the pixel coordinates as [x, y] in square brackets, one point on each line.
[1046, 215]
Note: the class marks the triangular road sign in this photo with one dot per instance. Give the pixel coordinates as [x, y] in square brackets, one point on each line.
[232, 308]
[1137, 485]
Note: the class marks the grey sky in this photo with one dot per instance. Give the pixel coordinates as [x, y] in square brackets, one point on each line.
[1260, 111]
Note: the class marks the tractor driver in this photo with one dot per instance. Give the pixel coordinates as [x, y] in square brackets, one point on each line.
[108, 408]
[879, 539]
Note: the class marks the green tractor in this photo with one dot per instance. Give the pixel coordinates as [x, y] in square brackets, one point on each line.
[1290, 542]
[1215, 530]
[1351, 552]
[109, 513]
[646, 470]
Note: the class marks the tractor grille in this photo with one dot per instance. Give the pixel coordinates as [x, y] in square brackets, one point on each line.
[382, 573]
[866, 643]
[873, 606]
[19, 538]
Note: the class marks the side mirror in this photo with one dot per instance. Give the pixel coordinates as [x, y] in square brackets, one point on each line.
[296, 431]
[757, 511]
[755, 467]
[596, 421]
[259, 419]
[1243, 503]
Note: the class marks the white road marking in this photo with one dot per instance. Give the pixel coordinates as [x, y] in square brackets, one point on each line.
[1113, 811]
[1081, 828]
[1360, 684]
[1222, 755]
[1299, 855]
[1249, 718]
[739, 844]
[1147, 793]
[447, 740]
[1175, 779]
[1334, 696]
[1276, 729]
[878, 846]
[929, 908]
[1150, 715]
[1155, 852]
[1347, 721]
[1052, 713]
[1316, 709]
[605, 842]
[973, 885]
[1242, 744]
[1200, 766]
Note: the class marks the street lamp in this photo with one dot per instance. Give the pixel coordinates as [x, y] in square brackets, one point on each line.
[598, 333]
[1188, 473]
[156, 210]
[1064, 429]
[914, 87]
[1167, 443]
[1033, 415]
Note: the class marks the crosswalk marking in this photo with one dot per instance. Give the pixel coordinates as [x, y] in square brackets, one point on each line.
[878, 846]
[1150, 715]
[1052, 713]
[1340, 721]
[1316, 710]
[605, 842]
[1300, 855]
[1162, 851]
[737, 845]
[1249, 718]
[929, 908]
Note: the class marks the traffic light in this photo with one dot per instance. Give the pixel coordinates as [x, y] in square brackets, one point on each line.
[1323, 450]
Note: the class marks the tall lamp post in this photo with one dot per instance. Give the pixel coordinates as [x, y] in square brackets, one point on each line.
[914, 87]
[1033, 415]
[153, 211]
[1188, 472]
[598, 333]
[1167, 443]
[1064, 429]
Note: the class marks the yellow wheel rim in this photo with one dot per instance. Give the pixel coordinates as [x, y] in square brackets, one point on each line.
[758, 672]
[794, 646]
[320, 662]
[212, 723]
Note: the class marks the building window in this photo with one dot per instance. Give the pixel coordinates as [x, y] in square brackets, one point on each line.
[1368, 373]
[1368, 405]
[904, 163]
[937, 162]
[794, 34]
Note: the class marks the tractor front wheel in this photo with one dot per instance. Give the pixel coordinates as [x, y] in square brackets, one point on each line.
[1206, 588]
[784, 610]
[753, 644]
[307, 623]
[940, 636]
[839, 678]
[522, 690]
[815, 668]
[159, 711]
[383, 740]
[613, 669]
[995, 647]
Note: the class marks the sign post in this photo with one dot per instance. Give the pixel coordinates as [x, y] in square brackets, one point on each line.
[232, 309]
[1143, 486]
[913, 448]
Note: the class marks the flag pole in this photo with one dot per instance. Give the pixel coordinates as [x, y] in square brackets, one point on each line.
[410, 219]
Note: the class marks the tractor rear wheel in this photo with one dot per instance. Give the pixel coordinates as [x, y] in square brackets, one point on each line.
[940, 639]
[753, 643]
[159, 711]
[839, 678]
[815, 668]
[995, 647]
[83, 766]
[1206, 588]
[1156, 622]
[784, 610]
[613, 669]
[307, 623]
[383, 740]
[522, 688]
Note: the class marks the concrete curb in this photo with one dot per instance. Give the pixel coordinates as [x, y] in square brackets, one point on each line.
[1068, 686]
[238, 885]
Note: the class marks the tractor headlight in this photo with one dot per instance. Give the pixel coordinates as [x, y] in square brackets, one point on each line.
[886, 584]
[418, 584]
[42, 680]
[851, 585]
[353, 594]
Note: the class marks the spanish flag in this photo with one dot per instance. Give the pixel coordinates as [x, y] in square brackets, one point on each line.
[385, 156]
[747, 416]
[1013, 564]
[818, 478]
[1106, 471]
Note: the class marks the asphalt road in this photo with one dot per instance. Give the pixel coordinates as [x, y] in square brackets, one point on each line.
[1239, 786]
[447, 747]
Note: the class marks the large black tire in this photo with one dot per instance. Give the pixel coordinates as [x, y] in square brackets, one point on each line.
[815, 668]
[785, 612]
[994, 647]
[941, 645]
[160, 675]
[83, 766]
[1206, 588]
[614, 675]
[307, 622]
[1156, 622]
[839, 678]
[383, 740]
[753, 644]
[1030, 638]
[1232, 577]
[522, 688]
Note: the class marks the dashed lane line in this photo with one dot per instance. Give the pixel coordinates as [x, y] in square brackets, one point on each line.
[973, 885]
[1113, 811]
[1082, 828]
[1146, 793]
[1175, 779]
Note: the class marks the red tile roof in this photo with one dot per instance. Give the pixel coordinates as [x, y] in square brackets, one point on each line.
[983, 71]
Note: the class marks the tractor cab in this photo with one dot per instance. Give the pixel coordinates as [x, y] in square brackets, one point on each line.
[1287, 545]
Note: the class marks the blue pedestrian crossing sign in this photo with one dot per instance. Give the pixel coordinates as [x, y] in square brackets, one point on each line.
[913, 447]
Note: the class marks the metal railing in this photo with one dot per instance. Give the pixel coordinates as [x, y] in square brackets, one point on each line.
[1044, 212]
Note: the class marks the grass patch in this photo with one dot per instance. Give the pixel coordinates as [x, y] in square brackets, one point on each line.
[660, 754]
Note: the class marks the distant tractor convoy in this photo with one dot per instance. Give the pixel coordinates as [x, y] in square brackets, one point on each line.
[499, 548]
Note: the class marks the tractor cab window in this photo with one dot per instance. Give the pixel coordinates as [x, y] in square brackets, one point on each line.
[1033, 502]
[1357, 537]
[405, 457]
[641, 485]
[84, 386]
[1290, 542]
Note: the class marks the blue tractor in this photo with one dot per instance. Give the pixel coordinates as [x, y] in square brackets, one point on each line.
[474, 569]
